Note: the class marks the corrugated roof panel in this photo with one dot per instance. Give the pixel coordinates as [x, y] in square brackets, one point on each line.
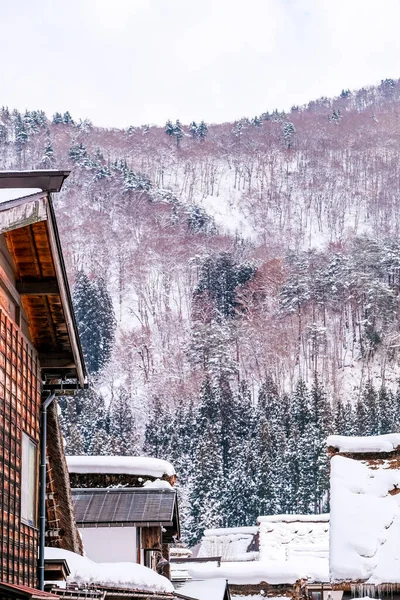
[101, 507]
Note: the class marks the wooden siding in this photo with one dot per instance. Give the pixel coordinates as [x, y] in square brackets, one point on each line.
[19, 411]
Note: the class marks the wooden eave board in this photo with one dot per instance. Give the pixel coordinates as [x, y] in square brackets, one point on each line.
[31, 252]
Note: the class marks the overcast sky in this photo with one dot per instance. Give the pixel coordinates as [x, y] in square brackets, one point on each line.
[122, 62]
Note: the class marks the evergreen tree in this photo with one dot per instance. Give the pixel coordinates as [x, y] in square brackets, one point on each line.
[193, 127]
[57, 118]
[202, 131]
[207, 493]
[159, 427]
[96, 321]
[48, 155]
[67, 119]
[124, 436]
[219, 278]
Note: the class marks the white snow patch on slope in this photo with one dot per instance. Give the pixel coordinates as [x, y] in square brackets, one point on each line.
[124, 574]
[130, 465]
[375, 443]
[365, 521]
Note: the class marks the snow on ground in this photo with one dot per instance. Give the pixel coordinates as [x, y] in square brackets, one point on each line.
[124, 574]
[129, 465]
[232, 544]
[365, 519]
[375, 443]
[292, 537]
[211, 589]
[271, 572]
[257, 597]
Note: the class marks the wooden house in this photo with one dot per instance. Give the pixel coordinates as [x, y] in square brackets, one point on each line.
[126, 508]
[365, 515]
[39, 353]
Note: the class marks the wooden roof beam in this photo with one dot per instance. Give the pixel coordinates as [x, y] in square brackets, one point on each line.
[56, 360]
[48, 287]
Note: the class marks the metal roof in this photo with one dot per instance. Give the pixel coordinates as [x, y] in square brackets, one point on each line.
[103, 507]
[49, 180]
[23, 591]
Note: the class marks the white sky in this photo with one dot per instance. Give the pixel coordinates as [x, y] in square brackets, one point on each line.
[122, 62]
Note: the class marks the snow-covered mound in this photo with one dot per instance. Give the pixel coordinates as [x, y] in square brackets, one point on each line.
[124, 574]
[129, 465]
[271, 572]
[374, 443]
[232, 544]
[292, 537]
[365, 520]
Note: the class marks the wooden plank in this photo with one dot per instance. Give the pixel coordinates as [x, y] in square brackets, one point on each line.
[151, 538]
[38, 288]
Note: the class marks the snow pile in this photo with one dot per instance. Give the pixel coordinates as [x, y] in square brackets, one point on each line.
[232, 544]
[204, 590]
[375, 443]
[271, 572]
[129, 465]
[158, 484]
[291, 537]
[124, 574]
[365, 520]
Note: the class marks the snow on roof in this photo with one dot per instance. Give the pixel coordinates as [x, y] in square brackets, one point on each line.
[271, 572]
[15, 193]
[124, 574]
[324, 517]
[365, 520]
[375, 443]
[232, 544]
[292, 537]
[130, 465]
[211, 589]
[158, 484]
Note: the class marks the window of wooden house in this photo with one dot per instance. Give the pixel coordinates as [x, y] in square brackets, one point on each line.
[28, 480]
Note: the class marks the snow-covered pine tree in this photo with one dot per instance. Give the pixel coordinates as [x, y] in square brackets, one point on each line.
[124, 438]
[96, 321]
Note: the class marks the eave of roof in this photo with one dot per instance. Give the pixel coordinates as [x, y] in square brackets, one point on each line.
[49, 180]
[31, 232]
[25, 591]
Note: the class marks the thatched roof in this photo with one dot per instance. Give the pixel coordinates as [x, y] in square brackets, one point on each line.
[61, 530]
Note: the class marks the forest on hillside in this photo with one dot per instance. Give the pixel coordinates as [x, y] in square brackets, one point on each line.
[253, 265]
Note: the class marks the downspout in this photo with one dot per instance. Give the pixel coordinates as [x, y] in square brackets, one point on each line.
[42, 487]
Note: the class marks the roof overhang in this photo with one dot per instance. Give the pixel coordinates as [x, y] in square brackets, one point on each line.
[122, 507]
[31, 233]
[48, 180]
[22, 591]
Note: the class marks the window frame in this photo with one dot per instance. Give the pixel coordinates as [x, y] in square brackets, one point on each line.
[29, 498]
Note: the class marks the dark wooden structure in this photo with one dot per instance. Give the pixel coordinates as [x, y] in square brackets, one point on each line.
[39, 349]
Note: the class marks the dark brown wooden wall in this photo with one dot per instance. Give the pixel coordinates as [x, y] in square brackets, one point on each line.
[19, 411]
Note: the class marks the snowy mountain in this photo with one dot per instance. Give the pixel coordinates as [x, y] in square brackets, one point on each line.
[236, 255]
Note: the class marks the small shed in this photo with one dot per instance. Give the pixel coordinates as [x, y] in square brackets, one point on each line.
[132, 524]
